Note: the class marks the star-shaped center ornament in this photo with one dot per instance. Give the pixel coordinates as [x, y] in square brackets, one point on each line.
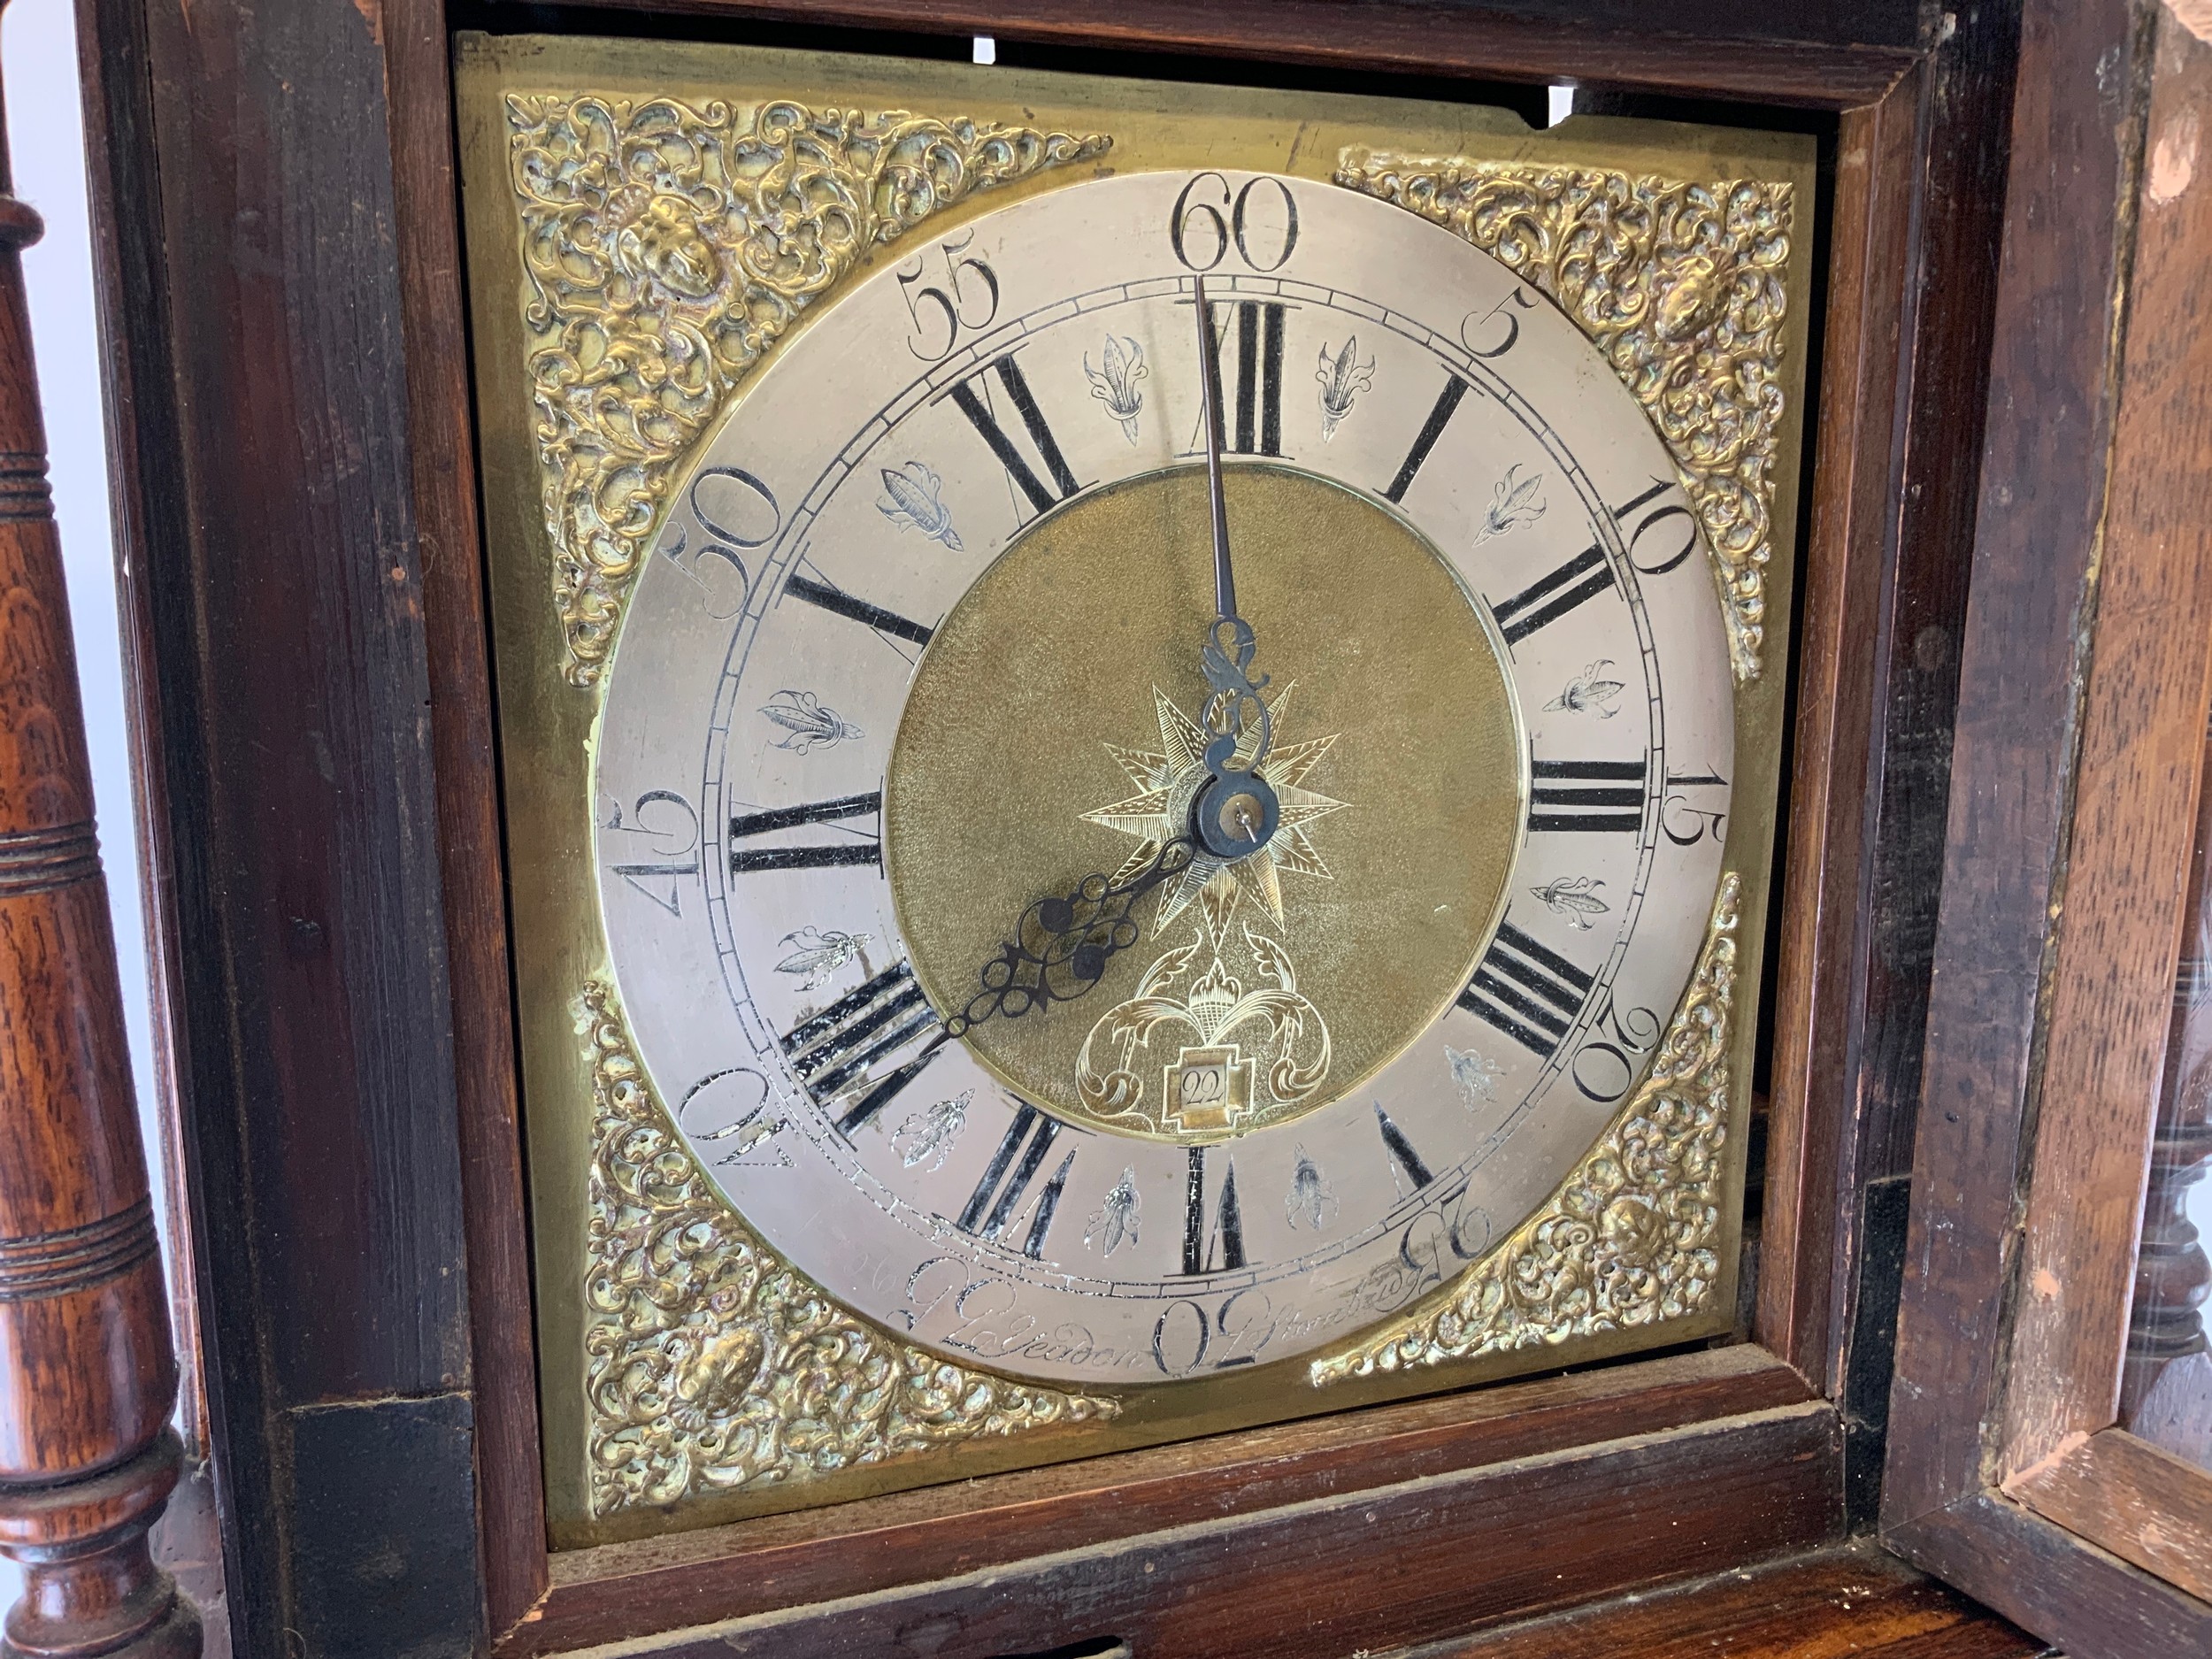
[1169, 779]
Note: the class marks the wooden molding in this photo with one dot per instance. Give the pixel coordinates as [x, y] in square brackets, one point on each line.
[2127, 1495]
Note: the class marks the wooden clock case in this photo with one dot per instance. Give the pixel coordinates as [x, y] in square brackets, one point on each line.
[295, 466]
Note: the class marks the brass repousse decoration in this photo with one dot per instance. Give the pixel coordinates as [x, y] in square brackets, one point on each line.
[1681, 286]
[1629, 1237]
[712, 1365]
[666, 246]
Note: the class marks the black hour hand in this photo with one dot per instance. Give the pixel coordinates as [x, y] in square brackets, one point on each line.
[1063, 943]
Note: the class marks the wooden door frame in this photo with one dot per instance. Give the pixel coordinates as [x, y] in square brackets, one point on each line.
[2088, 661]
[295, 448]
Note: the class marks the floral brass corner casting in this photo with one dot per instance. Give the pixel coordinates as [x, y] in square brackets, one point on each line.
[666, 246]
[1680, 286]
[712, 1363]
[1629, 1238]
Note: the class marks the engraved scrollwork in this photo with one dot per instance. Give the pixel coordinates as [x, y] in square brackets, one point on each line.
[1629, 1237]
[1680, 285]
[665, 247]
[712, 1365]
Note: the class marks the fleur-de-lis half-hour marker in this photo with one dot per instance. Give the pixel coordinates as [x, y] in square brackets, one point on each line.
[1513, 503]
[928, 1136]
[1114, 382]
[1344, 378]
[807, 721]
[1590, 691]
[1114, 1223]
[1475, 1075]
[914, 495]
[1574, 897]
[819, 953]
[1310, 1199]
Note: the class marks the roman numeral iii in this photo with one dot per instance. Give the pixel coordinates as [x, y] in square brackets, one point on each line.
[1587, 795]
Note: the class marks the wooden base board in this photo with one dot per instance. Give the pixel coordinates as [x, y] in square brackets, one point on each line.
[1861, 1601]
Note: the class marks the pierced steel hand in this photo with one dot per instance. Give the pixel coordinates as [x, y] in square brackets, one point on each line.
[1235, 809]
[1060, 946]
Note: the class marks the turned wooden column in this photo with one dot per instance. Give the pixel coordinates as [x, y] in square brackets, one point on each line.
[87, 1374]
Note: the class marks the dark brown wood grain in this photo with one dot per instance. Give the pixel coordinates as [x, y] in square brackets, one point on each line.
[1853, 482]
[1787, 56]
[2068, 216]
[2135, 790]
[2073, 806]
[2127, 1495]
[511, 1501]
[250, 291]
[1371, 1569]
[1861, 1601]
[909, 1537]
[87, 1375]
[2043, 1577]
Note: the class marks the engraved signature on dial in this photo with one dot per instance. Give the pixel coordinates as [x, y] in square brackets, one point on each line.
[913, 496]
[1114, 382]
[1344, 378]
[1590, 691]
[1513, 503]
[808, 723]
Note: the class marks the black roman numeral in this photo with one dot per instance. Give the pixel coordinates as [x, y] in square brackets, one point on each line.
[1259, 407]
[1401, 1150]
[1041, 497]
[832, 1052]
[1586, 794]
[1228, 1228]
[1527, 990]
[1584, 576]
[1432, 429]
[866, 850]
[998, 1195]
[838, 603]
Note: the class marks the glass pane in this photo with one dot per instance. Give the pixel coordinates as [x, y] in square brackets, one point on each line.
[2166, 1390]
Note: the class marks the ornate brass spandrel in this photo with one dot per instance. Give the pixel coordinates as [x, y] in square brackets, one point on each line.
[1681, 284]
[712, 1364]
[1630, 1237]
[665, 247]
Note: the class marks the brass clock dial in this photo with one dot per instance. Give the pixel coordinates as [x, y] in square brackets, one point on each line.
[919, 652]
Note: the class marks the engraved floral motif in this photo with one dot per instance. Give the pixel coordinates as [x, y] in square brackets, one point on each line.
[1629, 1237]
[711, 1365]
[1344, 378]
[1114, 382]
[1680, 285]
[665, 247]
[1590, 691]
[808, 722]
[1474, 1074]
[1572, 898]
[915, 496]
[1513, 503]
